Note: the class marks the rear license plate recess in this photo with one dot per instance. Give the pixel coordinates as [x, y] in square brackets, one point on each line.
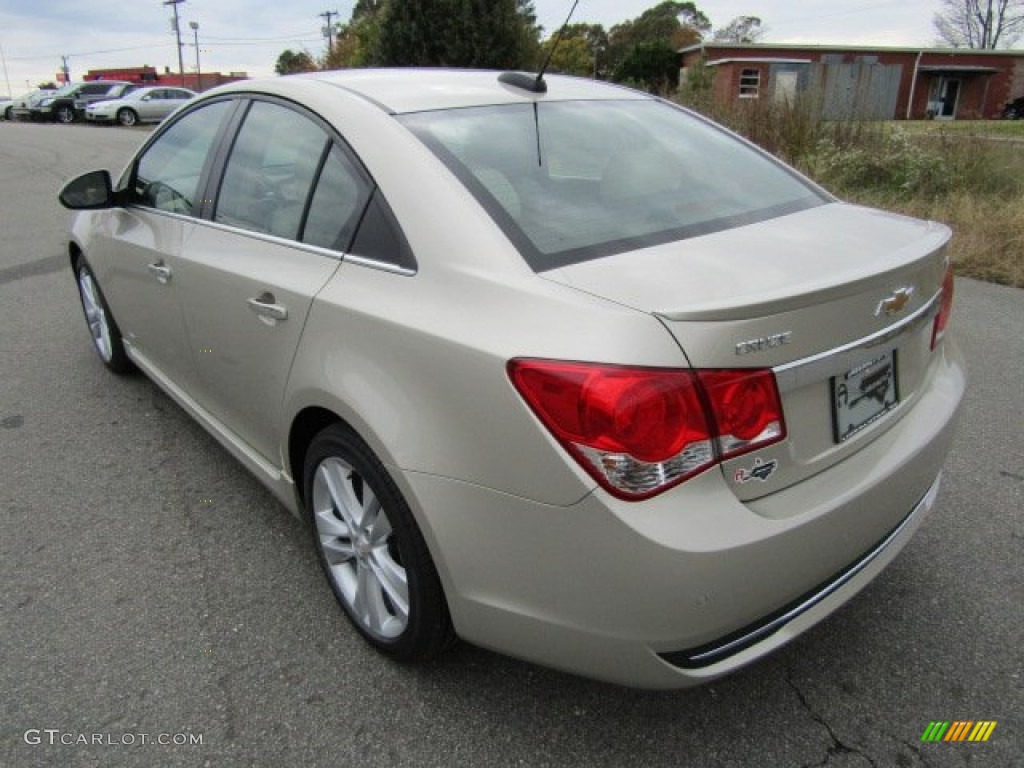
[863, 395]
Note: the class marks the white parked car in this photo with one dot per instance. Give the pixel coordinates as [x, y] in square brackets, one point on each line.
[144, 105]
[560, 368]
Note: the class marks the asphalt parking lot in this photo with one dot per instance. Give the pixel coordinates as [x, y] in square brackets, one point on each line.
[152, 587]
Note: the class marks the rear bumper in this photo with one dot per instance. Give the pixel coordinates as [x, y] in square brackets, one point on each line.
[692, 584]
[748, 636]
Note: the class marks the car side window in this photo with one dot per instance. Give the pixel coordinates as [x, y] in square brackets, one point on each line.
[338, 201]
[167, 175]
[380, 238]
[269, 174]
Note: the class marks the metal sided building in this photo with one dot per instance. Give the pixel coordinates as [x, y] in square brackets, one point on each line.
[866, 83]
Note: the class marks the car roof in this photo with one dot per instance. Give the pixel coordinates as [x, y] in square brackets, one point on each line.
[418, 90]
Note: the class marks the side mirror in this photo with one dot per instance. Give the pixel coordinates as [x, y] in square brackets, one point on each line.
[89, 191]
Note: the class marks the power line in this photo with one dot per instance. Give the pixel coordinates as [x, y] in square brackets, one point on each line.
[147, 47]
[257, 39]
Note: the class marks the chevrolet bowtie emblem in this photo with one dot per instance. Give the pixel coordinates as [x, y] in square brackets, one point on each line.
[896, 302]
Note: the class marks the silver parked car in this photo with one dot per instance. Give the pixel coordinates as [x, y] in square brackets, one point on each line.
[144, 105]
[21, 107]
[557, 367]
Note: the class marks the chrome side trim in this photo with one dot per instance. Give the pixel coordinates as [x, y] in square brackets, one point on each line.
[823, 365]
[383, 266]
[712, 653]
[347, 258]
[186, 217]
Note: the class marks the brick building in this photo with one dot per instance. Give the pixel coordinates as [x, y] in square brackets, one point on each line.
[150, 76]
[866, 83]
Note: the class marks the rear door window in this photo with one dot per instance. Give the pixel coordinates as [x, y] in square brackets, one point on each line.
[340, 197]
[270, 172]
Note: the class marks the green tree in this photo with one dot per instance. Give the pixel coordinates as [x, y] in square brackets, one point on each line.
[358, 42]
[574, 55]
[456, 33]
[742, 29]
[653, 66]
[530, 32]
[364, 8]
[290, 62]
[667, 26]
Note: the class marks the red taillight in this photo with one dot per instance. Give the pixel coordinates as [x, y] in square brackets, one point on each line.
[746, 409]
[945, 309]
[639, 431]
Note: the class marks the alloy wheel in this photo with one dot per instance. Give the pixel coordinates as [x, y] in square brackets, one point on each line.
[359, 549]
[95, 315]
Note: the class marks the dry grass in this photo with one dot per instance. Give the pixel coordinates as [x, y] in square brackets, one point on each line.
[988, 232]
[960, 176]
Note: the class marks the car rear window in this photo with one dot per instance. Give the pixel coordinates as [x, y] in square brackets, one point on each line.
[571, 181]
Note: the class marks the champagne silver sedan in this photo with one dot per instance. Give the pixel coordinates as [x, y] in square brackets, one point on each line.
[145, 105]
[552, 366]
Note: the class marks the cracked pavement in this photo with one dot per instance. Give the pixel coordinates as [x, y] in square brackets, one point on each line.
[151, 585]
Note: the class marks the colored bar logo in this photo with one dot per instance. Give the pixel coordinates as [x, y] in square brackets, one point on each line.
[958, 730]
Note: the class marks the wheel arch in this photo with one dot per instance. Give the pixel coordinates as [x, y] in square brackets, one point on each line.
[75, 252]
[309, 421]
[317, 414]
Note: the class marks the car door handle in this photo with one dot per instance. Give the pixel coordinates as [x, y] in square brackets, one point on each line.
[161, 271]
[264, 306]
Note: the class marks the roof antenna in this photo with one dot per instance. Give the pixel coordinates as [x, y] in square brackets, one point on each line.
[529, 82]
[543, 69]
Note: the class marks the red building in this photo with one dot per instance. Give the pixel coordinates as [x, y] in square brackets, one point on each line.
[149, 76]
[866, 83]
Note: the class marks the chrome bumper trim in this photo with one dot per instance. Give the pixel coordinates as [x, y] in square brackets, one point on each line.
[712, 653]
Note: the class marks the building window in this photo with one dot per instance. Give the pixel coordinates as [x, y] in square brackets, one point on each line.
[750, 83]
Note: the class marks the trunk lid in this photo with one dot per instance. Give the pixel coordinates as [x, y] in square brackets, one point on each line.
[837, 300]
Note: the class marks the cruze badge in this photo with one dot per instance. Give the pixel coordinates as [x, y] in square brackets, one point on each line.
[763, 343]
[896, 302]
[761, 470]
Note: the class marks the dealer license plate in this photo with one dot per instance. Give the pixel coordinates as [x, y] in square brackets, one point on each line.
[863, 395]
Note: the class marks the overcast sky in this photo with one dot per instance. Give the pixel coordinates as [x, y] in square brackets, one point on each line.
[248, 35]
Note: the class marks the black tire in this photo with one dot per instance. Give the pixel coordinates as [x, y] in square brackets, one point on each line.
[365, 555]
[64, 115]
[9, 114]
[127, 117]
[106, 336]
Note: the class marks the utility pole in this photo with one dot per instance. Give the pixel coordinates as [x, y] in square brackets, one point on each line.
[199, 72]
[329, 30]
[177, 34]
[65, 69]
[3, 58]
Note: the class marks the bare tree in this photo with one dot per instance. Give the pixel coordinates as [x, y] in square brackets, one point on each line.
[980, 23]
